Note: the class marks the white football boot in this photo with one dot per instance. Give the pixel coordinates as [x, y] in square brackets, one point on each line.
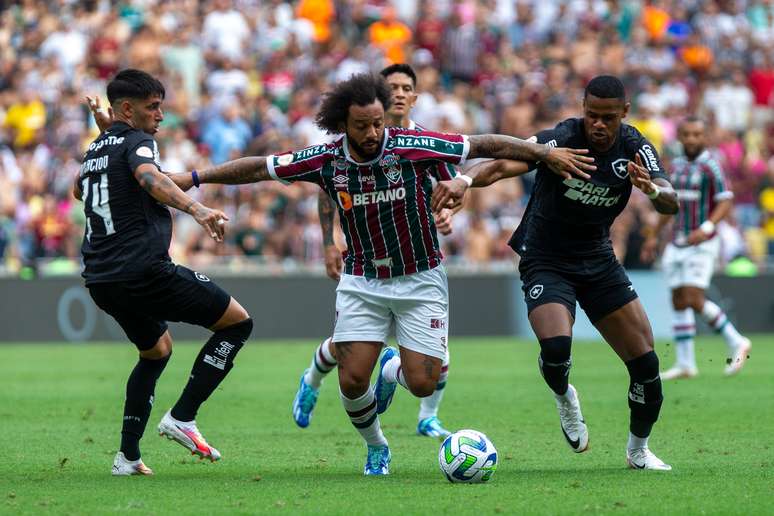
[571, 420]
[739, 358]
[122, 467]
[187, 434]
[679, 371]
[643, 458]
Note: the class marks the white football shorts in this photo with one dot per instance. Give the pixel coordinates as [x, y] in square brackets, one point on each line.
[417, 303]
[690, 266]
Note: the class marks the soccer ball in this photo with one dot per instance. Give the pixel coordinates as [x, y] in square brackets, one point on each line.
[467, 456]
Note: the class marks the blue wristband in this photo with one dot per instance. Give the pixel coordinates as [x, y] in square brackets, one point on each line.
[195, 178]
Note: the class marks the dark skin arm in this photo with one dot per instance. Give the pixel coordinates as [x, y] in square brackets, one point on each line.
[164, 190]
[666, 202]
[564, 162]
[326, 210]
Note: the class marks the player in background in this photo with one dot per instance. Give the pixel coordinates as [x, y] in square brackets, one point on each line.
[392, 272]
[689, 258]
[566, 256]
[402, 81]
[130, 275]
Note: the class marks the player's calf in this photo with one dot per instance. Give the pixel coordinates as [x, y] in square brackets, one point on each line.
[214, 362]
[645, 399]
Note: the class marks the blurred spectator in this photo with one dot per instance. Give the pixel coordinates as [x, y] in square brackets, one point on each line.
[247, 77]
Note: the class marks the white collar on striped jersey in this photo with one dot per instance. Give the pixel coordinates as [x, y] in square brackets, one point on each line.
[345, 145]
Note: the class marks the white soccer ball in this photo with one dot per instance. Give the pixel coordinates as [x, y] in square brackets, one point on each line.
[467, 456]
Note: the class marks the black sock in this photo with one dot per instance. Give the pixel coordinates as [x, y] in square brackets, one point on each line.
[212, 365]
[139, 402]
[645, 395]
[555, 362]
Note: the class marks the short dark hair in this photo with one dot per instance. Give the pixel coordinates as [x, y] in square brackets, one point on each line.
[359, 90]
[400, 68]
[134, 84]
[605, 87]
[692, 119]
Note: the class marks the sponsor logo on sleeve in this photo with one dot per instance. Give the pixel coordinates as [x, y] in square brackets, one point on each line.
[285, 160]
[201, 277]
[144, 152]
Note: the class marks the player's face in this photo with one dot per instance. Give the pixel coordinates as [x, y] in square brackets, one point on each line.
[403, 94]
[693, 137]
[365, 130]
[602, 120]
[147, 114]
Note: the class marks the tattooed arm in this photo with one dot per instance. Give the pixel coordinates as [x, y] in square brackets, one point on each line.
[236, 172]
[564, 162]
[326, 209]
[164, 190]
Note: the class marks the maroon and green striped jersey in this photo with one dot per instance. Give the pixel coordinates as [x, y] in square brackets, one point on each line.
[384, 204]
[700, 185]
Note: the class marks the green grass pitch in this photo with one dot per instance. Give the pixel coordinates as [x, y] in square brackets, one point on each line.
[60, 415]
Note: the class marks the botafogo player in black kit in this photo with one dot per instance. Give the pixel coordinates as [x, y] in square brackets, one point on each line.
[567, 256]
[130, 275]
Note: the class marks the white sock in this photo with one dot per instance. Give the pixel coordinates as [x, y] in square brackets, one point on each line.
[719, 322]
[323, 362]
[637, 442]
[684, 330]
[362, 414]
[428, 407]
[393, 372]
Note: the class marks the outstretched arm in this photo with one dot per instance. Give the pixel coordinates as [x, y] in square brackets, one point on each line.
[563, 161]
[449, 194]
[237, 172]
[164, 190]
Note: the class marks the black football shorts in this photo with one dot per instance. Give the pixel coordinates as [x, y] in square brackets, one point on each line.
[600, 284]
[168, 292]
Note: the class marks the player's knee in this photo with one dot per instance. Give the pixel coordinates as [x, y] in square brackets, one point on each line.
[162, 349]
[421, 388]
[645, 394]
[242, 329]
[354, 384]
[556, 350]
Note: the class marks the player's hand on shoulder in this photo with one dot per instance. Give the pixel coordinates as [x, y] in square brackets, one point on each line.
[448, 194]
[103, 118]
[333, 263]
[568, 162]
[213, 221]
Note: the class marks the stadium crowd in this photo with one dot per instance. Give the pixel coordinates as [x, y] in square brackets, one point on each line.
[246, 77]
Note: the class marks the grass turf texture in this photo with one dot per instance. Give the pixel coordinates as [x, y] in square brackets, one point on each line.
[61, 407]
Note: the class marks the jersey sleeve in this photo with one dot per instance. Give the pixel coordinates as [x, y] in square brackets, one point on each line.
[301, 165]
[649, 158]
[143, 150]
[443, 171]
[429, 145]
[721, 192]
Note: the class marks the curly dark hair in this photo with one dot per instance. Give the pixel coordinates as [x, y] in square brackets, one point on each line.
[359, 90]
[605, 87]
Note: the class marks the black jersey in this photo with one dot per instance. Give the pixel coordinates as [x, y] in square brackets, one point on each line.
[127, 230]
[572, 217]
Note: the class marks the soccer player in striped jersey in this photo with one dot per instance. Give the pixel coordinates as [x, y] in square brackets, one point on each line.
[689, 258]
[379, 178]
[402, 81]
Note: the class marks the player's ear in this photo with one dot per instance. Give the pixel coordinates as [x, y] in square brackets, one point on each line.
[626, 107]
